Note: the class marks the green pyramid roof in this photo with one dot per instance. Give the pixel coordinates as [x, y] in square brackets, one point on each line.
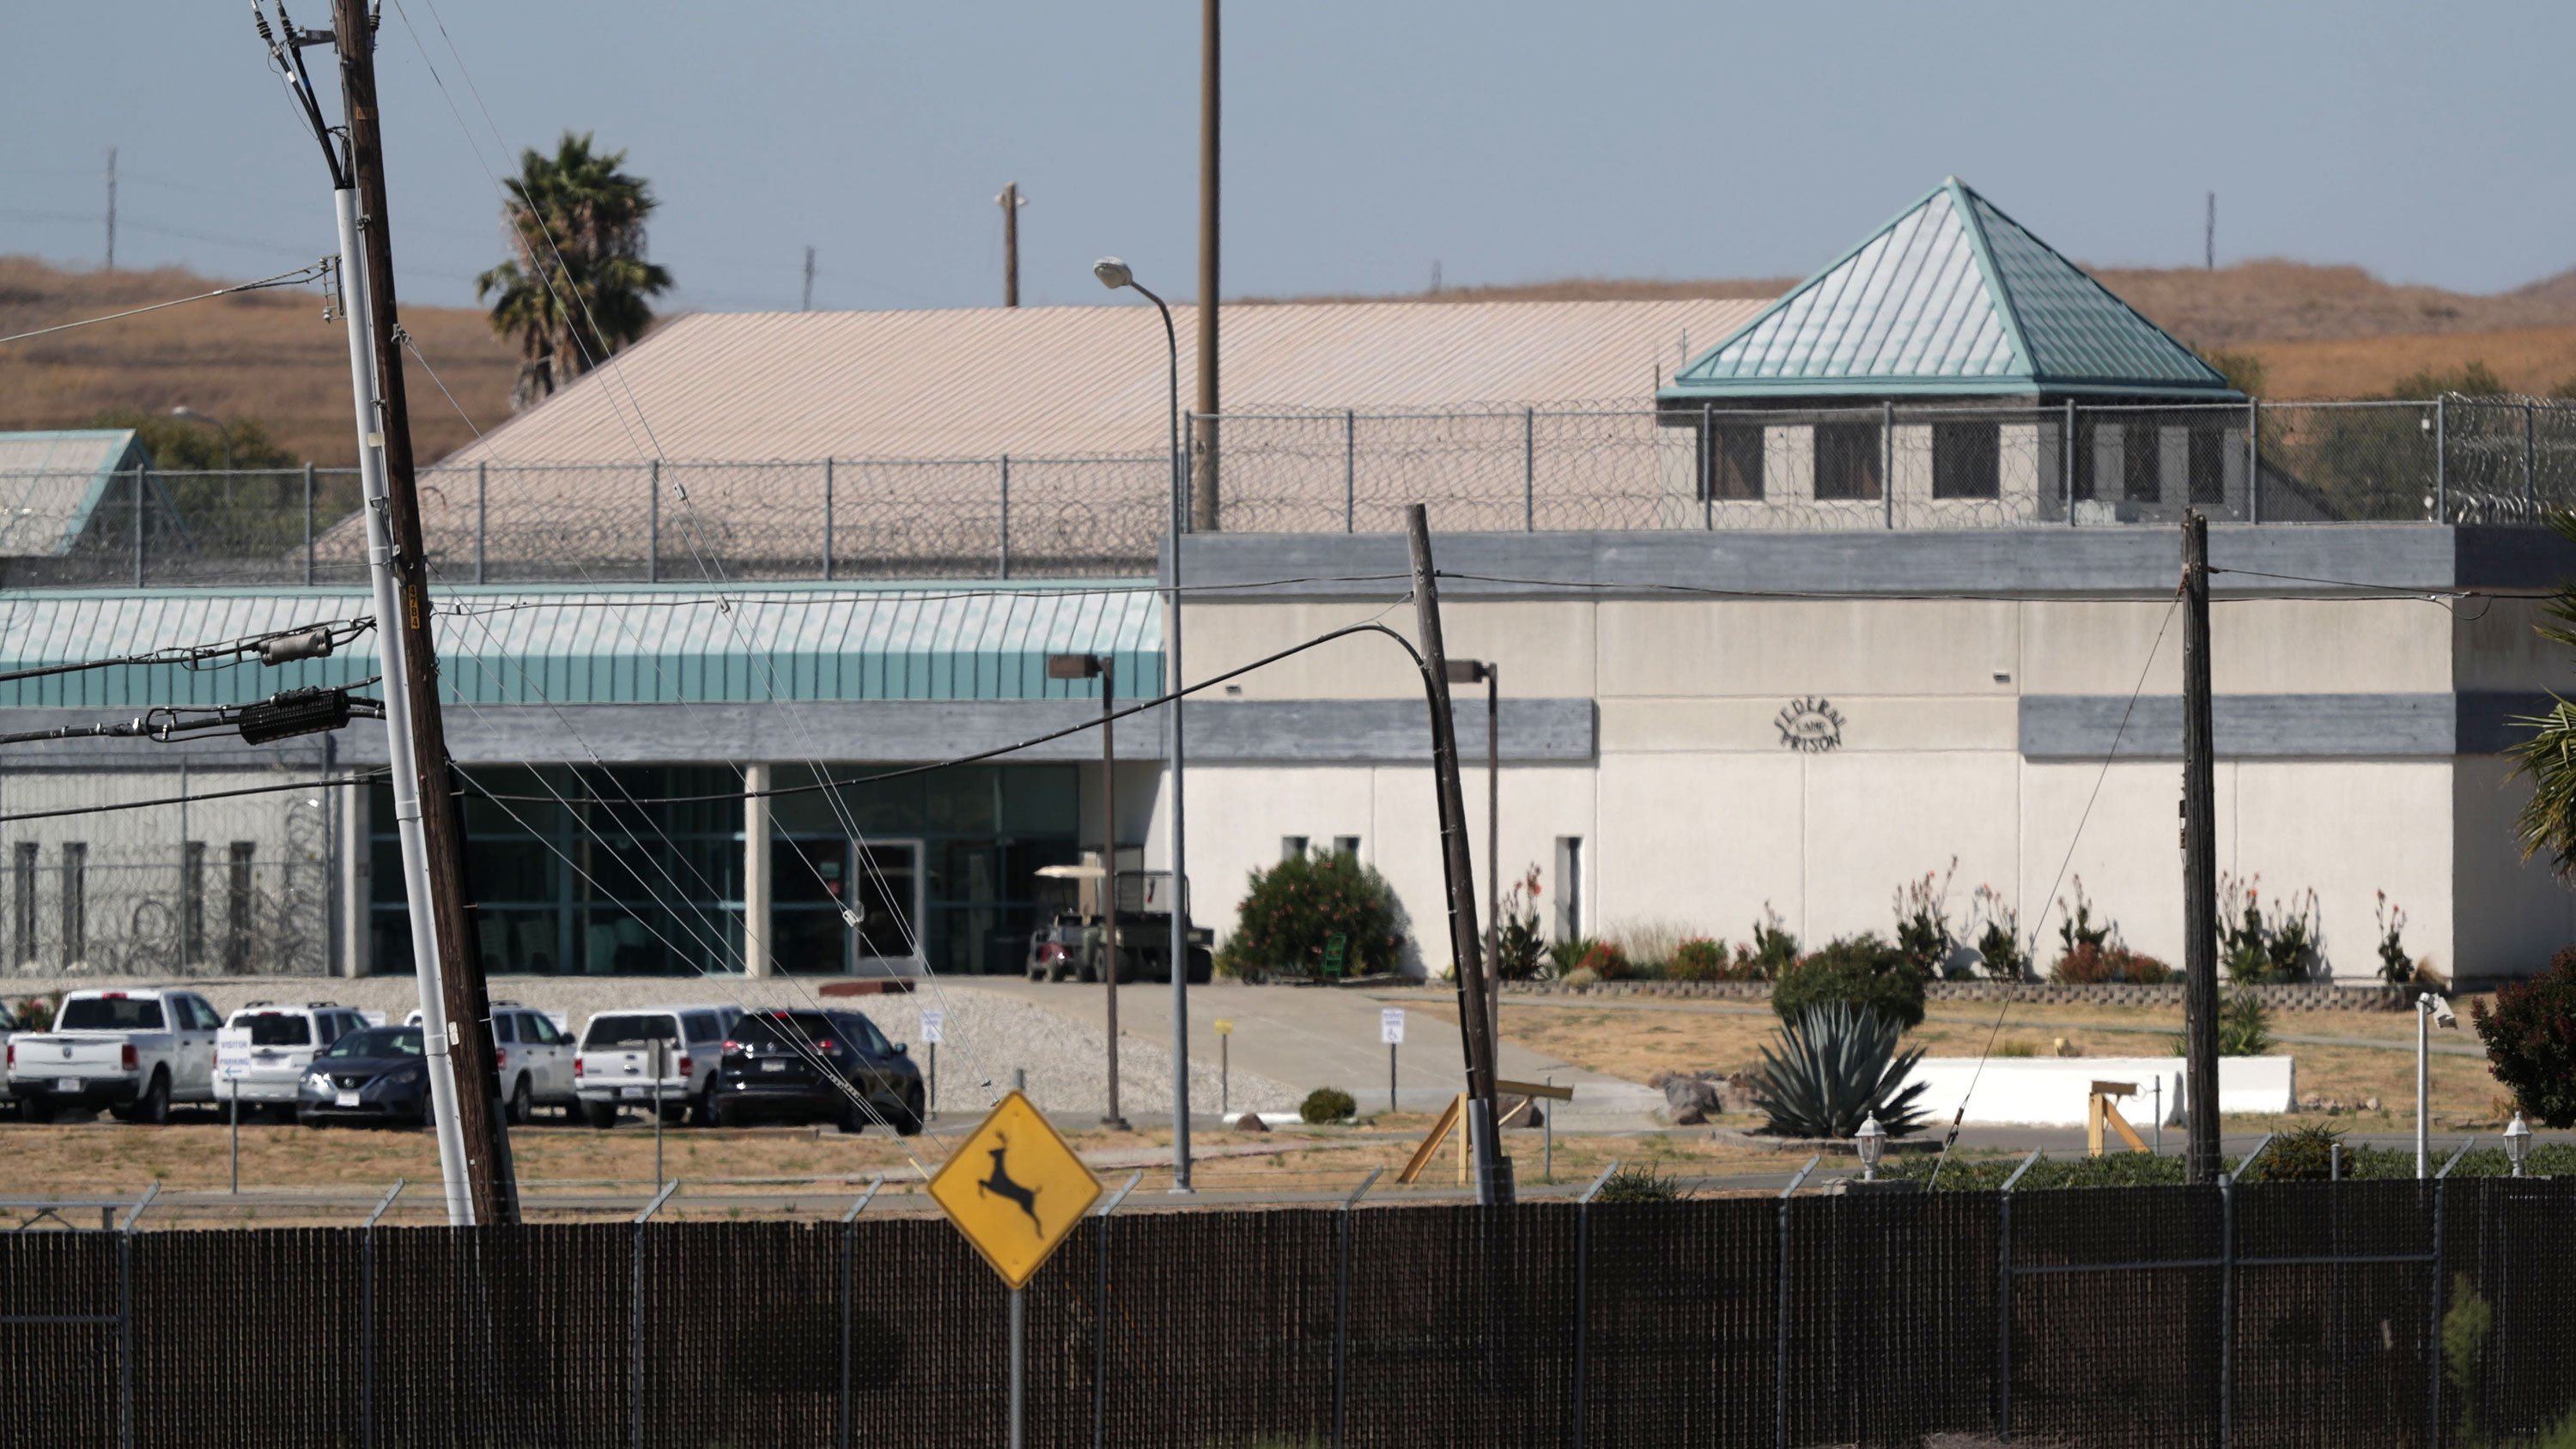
[1951, 297]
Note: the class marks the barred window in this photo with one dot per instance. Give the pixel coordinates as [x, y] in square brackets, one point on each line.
[2209, 465]
[22, 904]
[1847, 460]
[1735, 463]
[2141, 463]
[237, 906]
[1966, 460]
[75, 901]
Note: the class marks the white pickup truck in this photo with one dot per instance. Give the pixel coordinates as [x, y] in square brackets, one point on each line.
[132, 1052]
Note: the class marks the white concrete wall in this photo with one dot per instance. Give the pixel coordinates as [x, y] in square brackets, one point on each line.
[1696, 813]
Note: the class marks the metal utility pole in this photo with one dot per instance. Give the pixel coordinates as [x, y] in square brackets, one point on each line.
[808, 304]
[1493, 1173]
[2199, 861]
[111, 208]
[1203, 512]
[467, 1043]
[2209, 235]
[1011, 201]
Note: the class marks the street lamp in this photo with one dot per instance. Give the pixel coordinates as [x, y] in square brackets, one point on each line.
[1103, 668]
[1872, 1140]
[1489, 674]
[2430, 1010]
[223, 434]
[2517, 1142]
[1115, 274]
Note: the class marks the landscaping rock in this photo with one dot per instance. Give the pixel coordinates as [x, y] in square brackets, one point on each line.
[1250, 1122]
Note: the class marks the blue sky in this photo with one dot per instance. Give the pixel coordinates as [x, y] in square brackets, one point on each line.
[1508, 141]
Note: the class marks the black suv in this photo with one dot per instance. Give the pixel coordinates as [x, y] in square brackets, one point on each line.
[805, 1064]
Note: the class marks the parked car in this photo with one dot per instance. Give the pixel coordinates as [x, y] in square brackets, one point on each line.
[609, 1068]
[534, 1057]
[284, 1037]
[10, 1029]
[373, 1074]
[132, 1052]
[805, 1064]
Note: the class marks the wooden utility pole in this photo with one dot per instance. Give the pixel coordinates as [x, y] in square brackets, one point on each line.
[111, 208]
[1203, 510]
[1493, 1172]
[808, 304]
[490, 1179]
[1011, 202]
[2199, 861]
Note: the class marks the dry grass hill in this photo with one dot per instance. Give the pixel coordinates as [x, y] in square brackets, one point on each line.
[2320, 331]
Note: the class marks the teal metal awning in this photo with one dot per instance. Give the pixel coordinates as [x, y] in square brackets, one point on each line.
[1950, 298]
[611, 645]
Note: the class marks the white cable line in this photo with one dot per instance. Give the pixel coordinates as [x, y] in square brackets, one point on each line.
[303, 273]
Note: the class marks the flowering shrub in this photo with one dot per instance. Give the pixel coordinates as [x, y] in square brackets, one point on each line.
[1293, 909]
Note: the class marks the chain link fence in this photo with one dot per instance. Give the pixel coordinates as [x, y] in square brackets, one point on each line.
[2417, 1313]
[2453, 459]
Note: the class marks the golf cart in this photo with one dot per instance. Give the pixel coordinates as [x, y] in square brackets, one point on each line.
[1072, 945]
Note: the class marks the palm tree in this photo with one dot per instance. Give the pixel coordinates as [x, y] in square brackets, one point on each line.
[578, 287]
[2548, 821]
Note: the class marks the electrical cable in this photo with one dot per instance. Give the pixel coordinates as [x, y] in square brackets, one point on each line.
[192, 656]
[300, 274]
[366, 777]
[2062, 865]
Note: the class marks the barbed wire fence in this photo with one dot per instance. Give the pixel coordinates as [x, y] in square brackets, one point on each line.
[237, 887]
[1491, 469]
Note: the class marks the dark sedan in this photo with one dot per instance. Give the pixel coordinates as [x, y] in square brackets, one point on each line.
[805, 1064]
[377, 1074]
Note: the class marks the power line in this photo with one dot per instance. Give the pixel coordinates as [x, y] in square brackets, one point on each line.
[305, 273]
[277, 646]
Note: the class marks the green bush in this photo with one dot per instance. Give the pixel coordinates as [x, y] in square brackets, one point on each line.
[36, 1013]
[1999, 945]
[1837, 1065]
[1860, 970]
[1606, 962]
[2304, 1154]
[1774, 949]
[1290, 910]
[1700, 959]
[1923, 933]
[1640, 1184]
[2244, 1027]
[2259, 947]
[2530, 1036]
[1328, 1104]
[1520, 952]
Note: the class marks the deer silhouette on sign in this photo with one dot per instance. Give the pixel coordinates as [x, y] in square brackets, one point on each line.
[1000, 1185]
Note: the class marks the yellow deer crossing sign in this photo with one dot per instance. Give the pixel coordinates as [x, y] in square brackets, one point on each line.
[1015, 1189]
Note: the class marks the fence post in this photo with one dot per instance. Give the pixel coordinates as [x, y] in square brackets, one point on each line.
[1350, 469]
[2253, 460]
[308, 525]
[827, 520]
[849, 1251]
[2530, 478]
[1003, 569]
[125, 1335]
[2433, 1330]
[2227, 1307]
[653, 522]
[1780, 1313]
[2441, 460]
[138, 528]
[2070, 462]
[1529, 470]
[2003, 1317]
[1342, 1308]
[1583, 1296]
[482, 519]
[1707, 470]
[1887, 461]
[1100, 1318]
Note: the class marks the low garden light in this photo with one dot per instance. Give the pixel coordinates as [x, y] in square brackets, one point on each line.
[2517, 1142]
[1872, 1140]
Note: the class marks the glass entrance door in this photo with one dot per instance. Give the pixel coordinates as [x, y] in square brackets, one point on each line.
[817, 885]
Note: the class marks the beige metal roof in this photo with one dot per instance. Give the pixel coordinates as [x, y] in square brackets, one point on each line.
[1080, 381]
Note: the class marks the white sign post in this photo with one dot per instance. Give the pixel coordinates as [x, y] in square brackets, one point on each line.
[1390, 1029]
[934, 1029]
[232, 1063]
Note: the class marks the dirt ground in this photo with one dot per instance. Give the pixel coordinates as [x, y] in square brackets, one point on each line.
[571, 1173]
[1636, 1042]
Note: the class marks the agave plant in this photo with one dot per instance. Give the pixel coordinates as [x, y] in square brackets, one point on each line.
[1837, 1064]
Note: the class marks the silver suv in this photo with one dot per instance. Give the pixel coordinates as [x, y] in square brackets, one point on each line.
[534, 1057]
[615, 1048]
[284, 1038]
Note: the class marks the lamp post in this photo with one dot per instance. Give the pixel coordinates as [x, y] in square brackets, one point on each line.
[2430, 1010]
[1489, 674]
[2517, 1142]
[223, 434]
[1115, 274]
[1872, 1140]
[1102, 667]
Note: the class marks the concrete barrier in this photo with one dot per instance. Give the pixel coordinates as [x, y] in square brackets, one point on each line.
[2051, 1091]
